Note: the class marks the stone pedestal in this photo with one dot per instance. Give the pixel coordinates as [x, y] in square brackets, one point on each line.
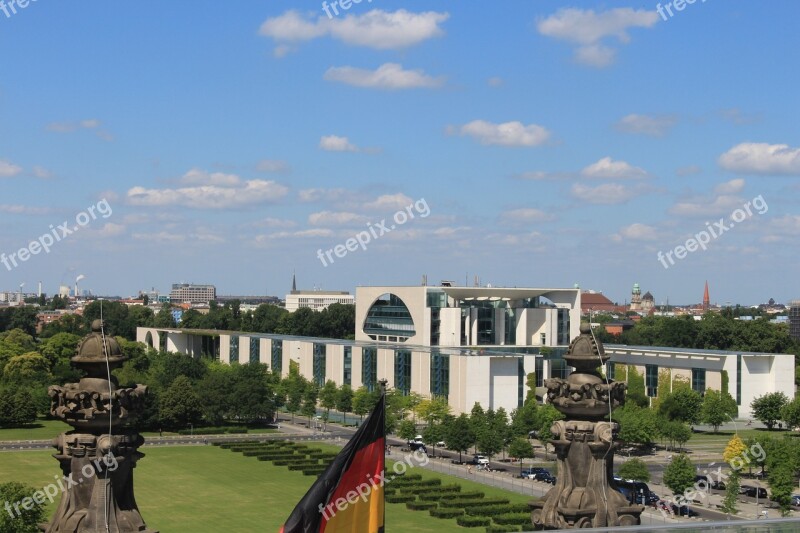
[97, 458]
[584, 495]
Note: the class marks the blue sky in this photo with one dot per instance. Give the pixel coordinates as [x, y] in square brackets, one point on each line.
[550, 143]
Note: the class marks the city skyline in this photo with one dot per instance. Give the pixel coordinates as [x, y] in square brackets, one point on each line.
[527, 144]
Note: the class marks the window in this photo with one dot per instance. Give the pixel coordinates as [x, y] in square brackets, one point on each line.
[738, 379]
[520, 382]
[402, 371]
[563, 326]
[319, 364]
[389, 316]
[699, 380]
[440, 375]
[610, 373]
[255, 350]
[369, 368]
[651, 380]
[348, 365]
[234, 349]
[539, 371]
[543, 339]
[277, 356]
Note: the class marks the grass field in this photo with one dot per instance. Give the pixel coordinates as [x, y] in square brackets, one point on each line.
[205, 488]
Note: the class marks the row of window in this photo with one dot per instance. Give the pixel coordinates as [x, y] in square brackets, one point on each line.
[651, 378]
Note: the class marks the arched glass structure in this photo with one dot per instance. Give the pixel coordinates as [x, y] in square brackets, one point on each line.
[389, 320]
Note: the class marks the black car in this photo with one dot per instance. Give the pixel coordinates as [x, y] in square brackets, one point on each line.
[531, 473]
[634, 491]
[546, 477]
[710, 483]
[753, 492]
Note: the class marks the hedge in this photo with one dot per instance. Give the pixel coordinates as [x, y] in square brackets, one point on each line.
[473, 521]
[519, 519]
[421, 506]
[400, 498]
[446, 513]
[424, 489]
[495, 510]
[469, 502]
[471, 494]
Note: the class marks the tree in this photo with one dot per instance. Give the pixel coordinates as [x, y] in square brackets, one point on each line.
[24, 518]
[293, 388]
[530, 382]
[637, 424]
[407, 430]
[310, 396]
[731, 493]
[17, 408]
[27, 369]
[458, 434]
[432, 435]
[180, 405]
[675, 432]
[520, 448]
[634, 469]
[791, 414]
[328, 396]
[164, 317]
[362, 402]
[683, 405]
[679, 474]
[523, 419]
[767, 408]
[216, 387]
[718, 407]
[545, 418]
[735, 449]
[344, 399]
[782, 465]
[253, 396]
[490, 434]
[433, 410]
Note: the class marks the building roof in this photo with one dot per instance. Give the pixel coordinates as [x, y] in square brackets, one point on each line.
[594, 299]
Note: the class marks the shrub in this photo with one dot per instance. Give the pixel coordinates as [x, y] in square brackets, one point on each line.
[400, 498]
[446, 513]
[518, 519]
[421, 506]
[472, 502]
[472, 521]
[495, 510]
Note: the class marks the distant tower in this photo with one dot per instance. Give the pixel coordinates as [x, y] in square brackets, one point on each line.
[648, 302]
[636, 298]
[294, 284]
[706, 299]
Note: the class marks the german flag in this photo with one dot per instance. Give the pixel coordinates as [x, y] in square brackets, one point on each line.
[348, 496]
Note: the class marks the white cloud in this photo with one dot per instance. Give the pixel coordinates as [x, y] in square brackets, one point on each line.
[303, 234]
[107, 230]
[272, 165]
[652, 125]
[528, 214]
[688, 170]
[340, 218]
[16, 209]
[210, 196]
[588, 29]
[201, 177]
[271, 222]
[605, 194]
[388, 202]
[730, 187]
[706, 207]
[638, 232]
[8, 169]
[762, 158]
[390, 76]
[334, 143]
[377, 29]
[506, 134]
[607, 168]
[86, 124]
[41, 172]
[316, 195]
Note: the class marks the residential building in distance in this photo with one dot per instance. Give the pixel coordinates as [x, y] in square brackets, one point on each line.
[316, 300]
[193, 294]
[794, 319]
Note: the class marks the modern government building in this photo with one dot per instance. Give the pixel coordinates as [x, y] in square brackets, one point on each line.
[472, 344]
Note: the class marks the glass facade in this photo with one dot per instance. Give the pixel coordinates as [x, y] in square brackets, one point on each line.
[255, 349]
[234, 349]
[510, 327]
[563, 326]
[402, 371]
[389, 317]
[277, 356]
[440, 375]
[539, 372]
[319, 364]
[699, 380]
[651, 380]
[347, 377]
[369, 368]
[610, 371]
[520, 382]
[739, 379]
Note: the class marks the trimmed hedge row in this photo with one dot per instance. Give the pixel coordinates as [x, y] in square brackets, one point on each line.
[446, 513]
[421, 506]
[473, 521]
[516, 519]
[423, 489]
[400, 498]
[496, 510]
[473, 502]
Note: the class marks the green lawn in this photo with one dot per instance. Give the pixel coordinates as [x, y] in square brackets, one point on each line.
[45, 429]
[205, 488]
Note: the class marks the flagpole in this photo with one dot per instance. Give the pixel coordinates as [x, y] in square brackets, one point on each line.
[383, 383]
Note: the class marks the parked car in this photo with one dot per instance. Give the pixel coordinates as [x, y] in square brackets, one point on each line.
[530, 473]
[417, 444]
[634, 491]
[796, 500]
[753, 492]
[479, 460]
[683, 510]
[546, 477]
[710, 483]
[441, 444]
